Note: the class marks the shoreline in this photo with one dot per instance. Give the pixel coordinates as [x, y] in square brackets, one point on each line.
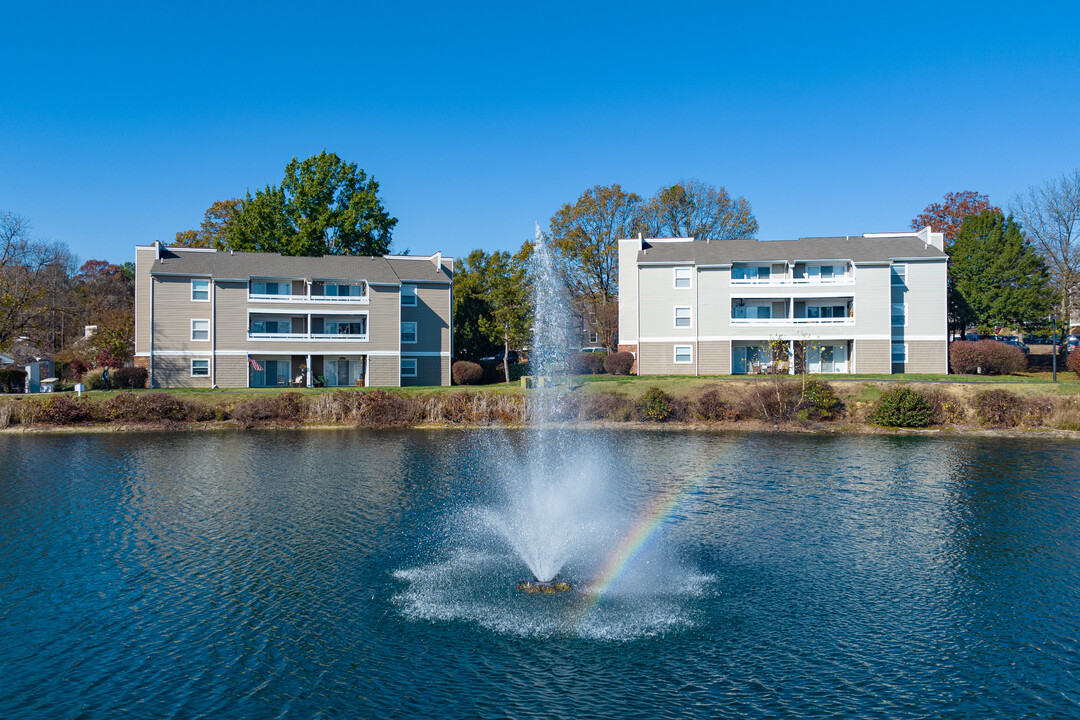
[741, 426]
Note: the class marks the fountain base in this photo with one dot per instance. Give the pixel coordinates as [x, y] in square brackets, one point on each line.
[551, 587]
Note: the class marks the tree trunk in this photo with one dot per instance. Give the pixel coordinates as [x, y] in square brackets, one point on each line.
[506, 359]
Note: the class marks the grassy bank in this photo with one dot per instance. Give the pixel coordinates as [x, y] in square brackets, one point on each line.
[850, 402]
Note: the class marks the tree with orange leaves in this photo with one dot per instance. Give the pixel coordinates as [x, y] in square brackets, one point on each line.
[947, 217]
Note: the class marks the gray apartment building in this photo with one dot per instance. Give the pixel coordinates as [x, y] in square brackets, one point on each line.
[206, 318]
[874, 303]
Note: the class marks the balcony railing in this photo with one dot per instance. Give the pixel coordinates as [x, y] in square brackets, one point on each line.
[793, 321]
[308, 336]
[784, 280]
[361, 299]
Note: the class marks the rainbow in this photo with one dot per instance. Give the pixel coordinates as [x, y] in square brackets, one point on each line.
[637, 538]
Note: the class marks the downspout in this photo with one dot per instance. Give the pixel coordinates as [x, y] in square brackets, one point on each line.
[153, 382]
[213, 333]
[695, 318]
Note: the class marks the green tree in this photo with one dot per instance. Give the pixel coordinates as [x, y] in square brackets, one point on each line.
[999, 275]
[691, 208]
[216, 221]
[948, 216]
[507, 288]
[585, 235]
[470, 304]
[324, 206]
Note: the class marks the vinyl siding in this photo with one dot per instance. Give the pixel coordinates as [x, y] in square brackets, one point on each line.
[925, 356]
[714, 358]
[173, 312]
[873, 356]
[926, 301]
[659, 298]
[144, 259]
[384, 370]
[429, 371]
[231, 371]
[432, 318]
[659, 359]
[174, 371]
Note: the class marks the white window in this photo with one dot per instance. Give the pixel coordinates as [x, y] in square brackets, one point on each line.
[899, 352]
[408, 367]
[899, 314]
[683, 354]
[200, 290]
[682, 277]
[408, 333]
[682, 317]
[594, 338]
[200, 368]
[408, 296]
[200, 329]
[899, 274]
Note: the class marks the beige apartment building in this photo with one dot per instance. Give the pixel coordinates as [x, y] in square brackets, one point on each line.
[874, 303]
[205, 318]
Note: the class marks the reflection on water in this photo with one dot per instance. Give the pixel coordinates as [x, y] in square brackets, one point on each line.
[308, 574]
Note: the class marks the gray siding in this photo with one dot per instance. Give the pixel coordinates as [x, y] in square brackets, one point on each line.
[144, 259]
[659, 359]
[925, 356]
[174, 371]
[432, 318]
[231, 371]
[873, 356]
[384, 371]
[714, 358]
[429, 371]
[173, 312]
[659, 300]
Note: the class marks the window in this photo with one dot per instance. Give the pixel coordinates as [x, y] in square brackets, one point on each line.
[594, 338]
[345, 327]
[899, 274]
[343, 290]
[825, 311]
[408, 296]
[682, 317]
[751, 273]
[408, 367]
[200, 329]
[899, 352]
[408, 333]
[271, 326]
[200, 290]
[682, 277]
[683, 354]
[269, 288]
[899, 314]
[200, 368]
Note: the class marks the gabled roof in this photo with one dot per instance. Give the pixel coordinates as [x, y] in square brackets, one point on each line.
[243, 265]
[723, 252]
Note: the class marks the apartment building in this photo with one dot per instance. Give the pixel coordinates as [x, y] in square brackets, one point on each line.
[874, 303]
[205, 318]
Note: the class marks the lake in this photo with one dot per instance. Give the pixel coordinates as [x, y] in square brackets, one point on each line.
[338, 574]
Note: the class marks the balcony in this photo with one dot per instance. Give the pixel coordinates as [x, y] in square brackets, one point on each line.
[335, 328]
[793, 321]
[789, 312]
[298, 291]
[799, 274]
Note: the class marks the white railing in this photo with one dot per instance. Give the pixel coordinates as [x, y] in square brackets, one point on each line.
[779, 281]
[361, 299]
[793, 321]
[307, 336]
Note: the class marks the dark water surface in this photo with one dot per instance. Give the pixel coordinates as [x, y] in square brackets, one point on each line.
[321, 575]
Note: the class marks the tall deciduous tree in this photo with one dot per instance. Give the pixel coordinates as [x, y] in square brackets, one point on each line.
[471, 303]
[324, 206]
[1051, 216]
[691, 208]
[999, 275]
[948, 216]
[33, 278]
[212, 232]
[508, 321]
[585, 235]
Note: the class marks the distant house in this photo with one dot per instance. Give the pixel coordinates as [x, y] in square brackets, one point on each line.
[874, 303]
[220, 319]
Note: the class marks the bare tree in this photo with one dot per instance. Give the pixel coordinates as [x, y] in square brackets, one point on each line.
[27, 265]
[691, 208]
[1050, 213]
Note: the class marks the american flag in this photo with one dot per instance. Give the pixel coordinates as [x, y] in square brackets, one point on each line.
[255, 366]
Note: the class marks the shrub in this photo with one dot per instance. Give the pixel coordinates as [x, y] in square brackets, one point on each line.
[619, 363]
[902, 407]
[280, 407]
[466, 373]
[92, 379]
[988, 356]
[56, 410]
[998, 408]
[1073, 361]
[380, 408]
[771, 400]
[604, 406]
[12, 380]
[587, 363]
[947, 409]
[654, 405]
[133, 378]
[819, 400]
[712, 406]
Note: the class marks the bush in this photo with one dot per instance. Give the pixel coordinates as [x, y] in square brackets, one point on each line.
[819, 400]
[464, 372]
[12, 380]
[902, 407]
[947, 409]
[587, 363]
[604, 406]
[92, 379]
[150, 407]
[998, 408]
[133, 378]
[655, 405]
[988, 356]
[712, 406]
[771, 400]
[1073, 361]
[280, 407]
[380, 408]
[619, 363]
[56, 410]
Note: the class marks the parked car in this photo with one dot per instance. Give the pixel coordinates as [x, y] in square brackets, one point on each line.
[1015, 343]
[512, 358]
[593, 349]
[973, 337]
[1072, 342]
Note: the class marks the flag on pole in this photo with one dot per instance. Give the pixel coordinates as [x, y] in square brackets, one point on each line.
[254, 365]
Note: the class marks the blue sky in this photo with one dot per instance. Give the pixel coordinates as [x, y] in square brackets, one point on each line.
[120, 123]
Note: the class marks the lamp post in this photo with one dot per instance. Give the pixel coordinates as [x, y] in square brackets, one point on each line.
[1053, 341]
